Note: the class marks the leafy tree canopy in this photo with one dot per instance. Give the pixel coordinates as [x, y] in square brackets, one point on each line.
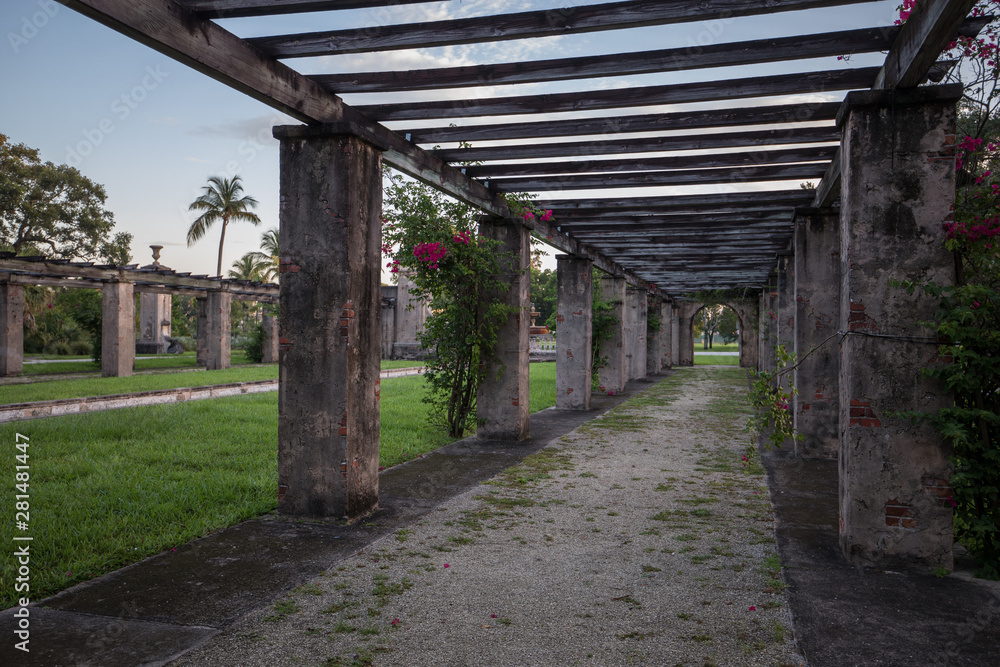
[54, 210]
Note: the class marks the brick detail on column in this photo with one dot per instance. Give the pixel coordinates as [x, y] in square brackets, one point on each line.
[863, 415]
[940, 489]
[899, 515]
[859, 320]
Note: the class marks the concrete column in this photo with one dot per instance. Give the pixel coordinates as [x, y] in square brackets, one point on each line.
[218, 305]
[11, 329]
[502, 405]
[154, 322]
[769, 325]
[675, 335]
[749, 313]
[635, 331]
[817, 302]
[574, 309]
[898, 191]
[269, 346]
[654, 339]
[666, 334]
[328, 396]
[201, 342]
[117, 329]
[410, 315]
[612, 376]
[686, 314]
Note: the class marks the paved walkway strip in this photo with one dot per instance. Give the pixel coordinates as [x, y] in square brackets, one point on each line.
[71, 406]
[638, 538]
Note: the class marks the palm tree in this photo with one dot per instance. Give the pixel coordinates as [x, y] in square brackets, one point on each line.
[269, 254]
[250, 267]
[221, 201]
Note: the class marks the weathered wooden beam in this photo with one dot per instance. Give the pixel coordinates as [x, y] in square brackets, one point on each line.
[727, 54]
[741, 159]
[679, 120]
[223, 9]
[171, 29]
[793, 135]
[736, 175]
[686, 203]
[521, 25]
[923, 37]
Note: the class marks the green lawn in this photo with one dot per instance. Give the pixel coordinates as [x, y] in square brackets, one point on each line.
[86, 365]
[715, 360]
[110, 488]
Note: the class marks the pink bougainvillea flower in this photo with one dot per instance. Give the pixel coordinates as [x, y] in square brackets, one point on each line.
[752, 609]
[395, 622]
[446, 565]
[951, 501]
[493, 615]
[547, 215]
[611, 393]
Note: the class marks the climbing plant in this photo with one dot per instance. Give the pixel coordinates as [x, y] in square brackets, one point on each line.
[435, 240]
[602, 328]
[771, 394]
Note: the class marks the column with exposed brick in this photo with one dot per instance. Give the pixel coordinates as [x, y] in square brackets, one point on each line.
[117, 329]
[898, 183]
[574, 309]
[685, 347]
[11, 329]
[817, 303]
[218, 345]
[666, 334]
[635, 346]
[329, 331]
[654, 337]
[612, 376]
[269, 345]
[749, 315]
[502, 405]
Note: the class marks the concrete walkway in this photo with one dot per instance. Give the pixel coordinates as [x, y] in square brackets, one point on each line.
[636, 539]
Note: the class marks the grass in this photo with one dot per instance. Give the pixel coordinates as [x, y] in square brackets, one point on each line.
[110, 488]
[715, 360]
[100, 386]
[86, 365]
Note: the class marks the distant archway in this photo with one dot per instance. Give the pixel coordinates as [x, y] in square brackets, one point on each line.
[745, 311]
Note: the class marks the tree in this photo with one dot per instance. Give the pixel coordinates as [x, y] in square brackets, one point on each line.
[544, 287]
[54, 210]
[221, 201]
[710, 317]
[729, 326]
[269, 246]
[250, 267]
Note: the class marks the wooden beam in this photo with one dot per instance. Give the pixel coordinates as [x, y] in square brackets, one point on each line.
[685, 203]
[735, 175]
[522, 25]
[726, 54]
[678, 120]
[222, 9]
[741, 159]
[201, 44]
[924, 36]
[791, 135]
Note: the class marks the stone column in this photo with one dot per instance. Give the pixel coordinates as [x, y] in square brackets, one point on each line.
[898, 191]
[749, 337]
[502, 405]
[201, 342]
[666, 334]
[269, 346]
[675, 334]
[154, 322]
[685, 346]
[654, 339]
[635, 347]
[328, 396]
[117, 329]
[612, 376]
[769, 325]
[11, 329]
[410, 315]
[574, 309]
[817, 302]
[218, 305]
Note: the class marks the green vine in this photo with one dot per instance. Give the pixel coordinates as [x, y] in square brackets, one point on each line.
[602, 329]
[771, 395]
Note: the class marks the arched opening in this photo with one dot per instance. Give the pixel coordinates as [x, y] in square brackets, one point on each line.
[739, 321]
[715, 335]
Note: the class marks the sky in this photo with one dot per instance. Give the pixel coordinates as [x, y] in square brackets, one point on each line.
[152, 130]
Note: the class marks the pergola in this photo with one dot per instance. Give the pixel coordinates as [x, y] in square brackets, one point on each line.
[886, 150]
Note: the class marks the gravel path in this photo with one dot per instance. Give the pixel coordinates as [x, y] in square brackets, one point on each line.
[639, 538]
